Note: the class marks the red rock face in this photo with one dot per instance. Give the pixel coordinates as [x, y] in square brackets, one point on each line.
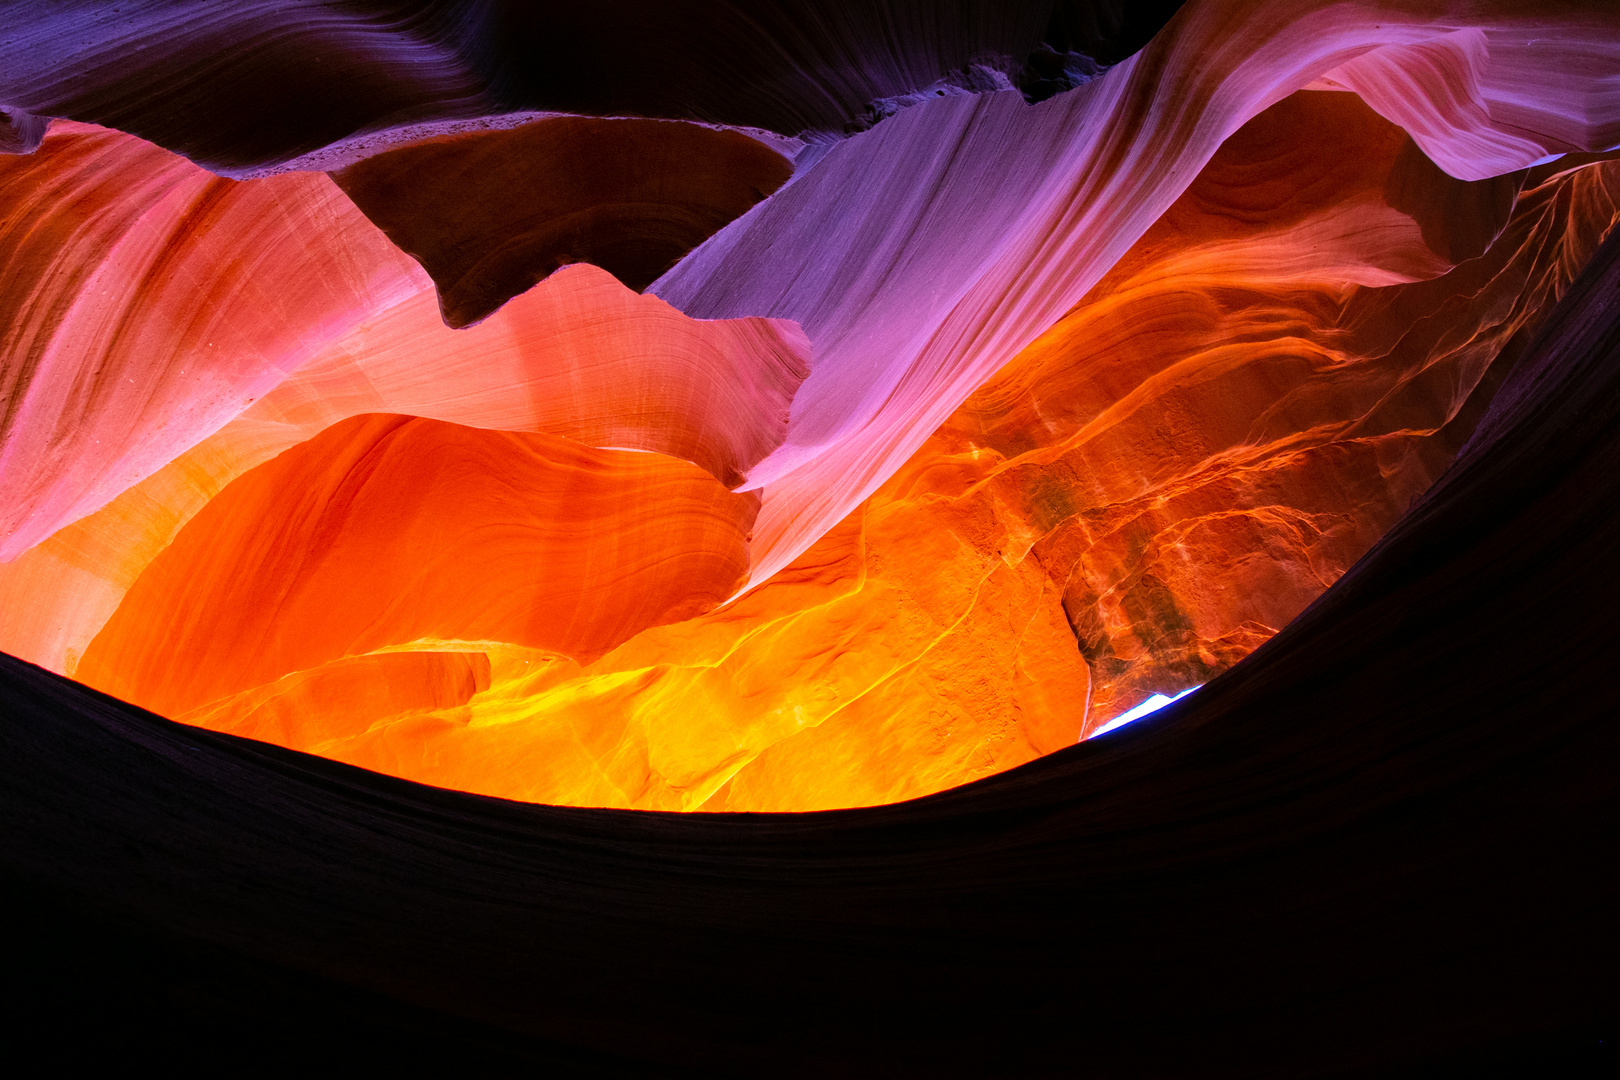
[979, 222]
[398, 532]
[995, 420]
[1253, 396]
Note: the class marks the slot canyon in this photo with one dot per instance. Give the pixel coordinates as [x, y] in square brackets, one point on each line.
[638, 540]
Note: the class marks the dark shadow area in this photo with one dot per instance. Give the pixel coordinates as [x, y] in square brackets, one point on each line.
[238, 88]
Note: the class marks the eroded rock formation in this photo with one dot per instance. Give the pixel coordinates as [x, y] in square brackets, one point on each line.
[995, 375]
[1232, 346]
[387, 531]
[1385, 833]
[148, 302]
[926, 253]
[580, 357]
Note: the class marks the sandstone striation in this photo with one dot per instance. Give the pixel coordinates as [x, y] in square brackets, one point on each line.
[1386, 790]
[995, 420]
[387, 531]
[149, 303]
[468, 425]
[921, 256]
[579, 357]
[1230, 419]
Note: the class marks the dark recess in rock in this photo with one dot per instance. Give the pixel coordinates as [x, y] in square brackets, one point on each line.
[20, 132]
[1083, 39]
[490, 214]
[1107, 31]
[241, 88]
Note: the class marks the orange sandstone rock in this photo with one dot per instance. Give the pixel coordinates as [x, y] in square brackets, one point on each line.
[1151, 491]
[390, 531]
[579, 356]
[1253, 395]
[338, 699]
[1232, 414]
[1144, 496]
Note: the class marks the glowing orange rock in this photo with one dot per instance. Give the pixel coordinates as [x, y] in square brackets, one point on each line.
[1262, 369]
[390, 531]
[1236, 412]
[319, 706]
[1224, 426]
[923, 255]
[578, 356]
[1154, 488]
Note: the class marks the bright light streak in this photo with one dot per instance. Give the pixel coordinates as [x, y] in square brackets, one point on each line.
[1152, 704]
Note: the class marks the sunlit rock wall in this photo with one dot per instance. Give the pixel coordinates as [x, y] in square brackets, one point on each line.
[993, 419]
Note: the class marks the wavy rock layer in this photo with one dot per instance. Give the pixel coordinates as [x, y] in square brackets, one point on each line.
[150, 302]
[1104, 391]
[579, 357]
[389, 531]
[1171, 474]
[1246, 402]
[490, 214]
[921, 256]
[1219, 396]
[1385, 833]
